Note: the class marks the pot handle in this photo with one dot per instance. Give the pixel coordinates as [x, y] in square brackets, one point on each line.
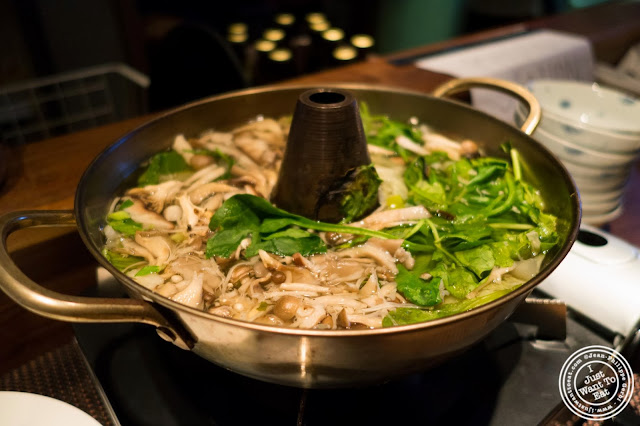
[51, 304]
[458, 85]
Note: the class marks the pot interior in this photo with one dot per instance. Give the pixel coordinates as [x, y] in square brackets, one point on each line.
[109, 172]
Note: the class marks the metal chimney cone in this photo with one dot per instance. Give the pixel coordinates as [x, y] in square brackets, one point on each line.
[326, 142]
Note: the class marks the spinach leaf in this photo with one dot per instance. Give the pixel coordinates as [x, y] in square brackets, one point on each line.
[403, 316]
[352, 196]
[417, 290]
[234, 221]
[423, 292]
[431, 195]
[479, 260]
[163, 164]
[271, 217]
[234, 213]
[287, 246]
[270, 228]
[457, 280]
[289, 232]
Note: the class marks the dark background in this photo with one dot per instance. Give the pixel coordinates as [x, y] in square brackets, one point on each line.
[182, 45]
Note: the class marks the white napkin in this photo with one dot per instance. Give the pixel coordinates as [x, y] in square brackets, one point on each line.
[521, 58]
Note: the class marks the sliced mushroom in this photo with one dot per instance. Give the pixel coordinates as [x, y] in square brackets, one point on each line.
[269, 262]
[327, 322]
[167, 289]
[200, 161]
[202, 176]
[132, 248]
[221, 311]
[312, 319]
[212, 140]
[150, 281]
[201, 192]
[405, 258]
[192, 294]
[390, 245]
[381, 256]
[159, 246]
[385, 218]
[269, 319]
[257, 149]
[183, 147]
[190, 213]
[410, 145]
[140, 214]
[268, 130]
[155, 196]
[437, 142]
[365, 321]
[371, 286]
[172, 213]
[343, 319]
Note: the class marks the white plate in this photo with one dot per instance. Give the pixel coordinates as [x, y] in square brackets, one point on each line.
[29, 409]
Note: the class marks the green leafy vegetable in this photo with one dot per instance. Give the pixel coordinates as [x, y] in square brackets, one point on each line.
[479, 259]
[417, 290]
[121, 221]
[402, 316]
[245, 215]
[125, 204]
[149, 269]
[164, 164]
[287, 246]
[484, 217]
[382, 131]
[351, 197]
[121, 261]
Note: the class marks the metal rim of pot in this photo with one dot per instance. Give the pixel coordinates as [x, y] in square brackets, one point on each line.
[48, 303]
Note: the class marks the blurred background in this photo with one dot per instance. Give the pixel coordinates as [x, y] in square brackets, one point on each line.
[66, 65]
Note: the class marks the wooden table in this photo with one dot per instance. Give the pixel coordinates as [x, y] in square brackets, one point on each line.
[44, 175]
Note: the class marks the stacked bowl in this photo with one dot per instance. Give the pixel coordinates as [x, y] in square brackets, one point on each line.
[595, 132]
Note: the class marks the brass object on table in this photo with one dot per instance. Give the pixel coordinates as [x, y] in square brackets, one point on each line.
[304, 358]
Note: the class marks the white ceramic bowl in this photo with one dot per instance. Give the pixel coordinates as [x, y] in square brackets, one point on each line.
[587, 114]
[580, 155]
[601, 185]
[588, 105]
[578, 170]
[600, 219]
[588, 197]
[591, 209]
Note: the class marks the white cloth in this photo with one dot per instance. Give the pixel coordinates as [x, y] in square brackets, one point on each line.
[521, 58]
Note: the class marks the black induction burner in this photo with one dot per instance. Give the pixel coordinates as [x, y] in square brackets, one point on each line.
[509, 378]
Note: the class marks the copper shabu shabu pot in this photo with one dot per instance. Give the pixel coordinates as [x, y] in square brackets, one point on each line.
[304, 358]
